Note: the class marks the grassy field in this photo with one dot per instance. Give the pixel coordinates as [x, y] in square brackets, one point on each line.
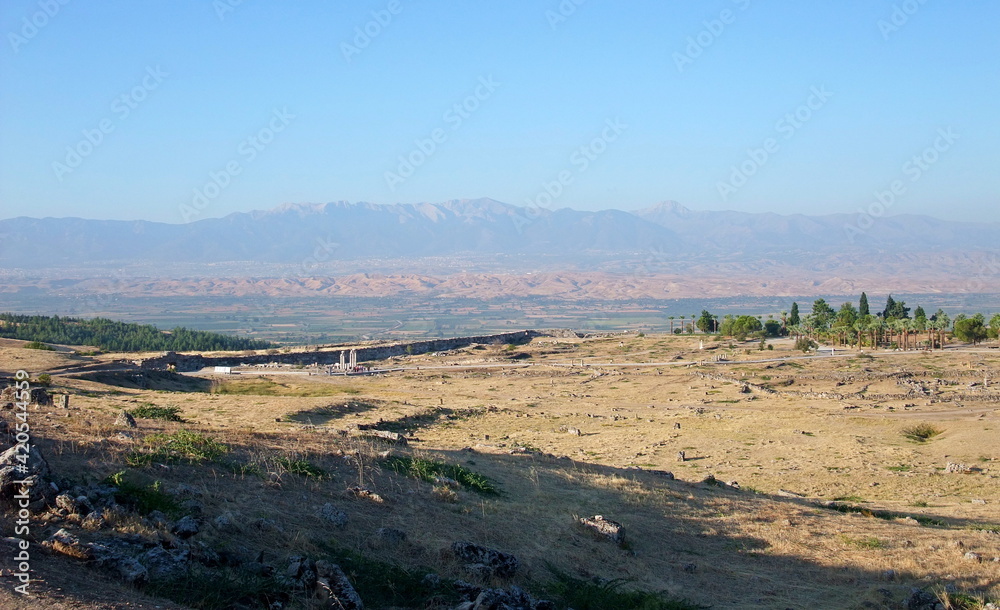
[806, 482]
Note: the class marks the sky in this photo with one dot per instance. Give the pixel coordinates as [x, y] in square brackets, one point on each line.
[177, 110]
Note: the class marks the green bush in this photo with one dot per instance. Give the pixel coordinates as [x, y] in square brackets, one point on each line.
[39, 345]
[301, 467]
[180, 446]
[142, 498]
[579, 594]
[150, 411]
[428, 470]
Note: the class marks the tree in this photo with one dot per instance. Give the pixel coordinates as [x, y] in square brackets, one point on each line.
[889, 304]
[822, 315]
[895, 309]
[793, 318]
[741, 327]
[706, 323]
[995, 325]
[971, 330]
[847, 314]
[919, 314]
[773, 328]
[863, 305]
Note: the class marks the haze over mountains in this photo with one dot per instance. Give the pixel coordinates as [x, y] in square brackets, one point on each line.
[484, 248]
[352, 231]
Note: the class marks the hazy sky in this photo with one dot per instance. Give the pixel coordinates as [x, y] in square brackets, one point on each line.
[119, 109]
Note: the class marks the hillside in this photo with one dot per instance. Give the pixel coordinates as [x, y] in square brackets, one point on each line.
[806, 482]
[342, 231]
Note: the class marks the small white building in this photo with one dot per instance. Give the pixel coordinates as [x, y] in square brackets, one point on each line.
[224, 370]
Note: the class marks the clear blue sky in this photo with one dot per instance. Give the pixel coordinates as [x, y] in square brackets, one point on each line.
[209, 79]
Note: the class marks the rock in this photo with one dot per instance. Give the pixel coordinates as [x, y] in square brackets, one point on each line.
[390, 536]
[496, 563]
[970, 556]
[605, 528]
[956, 468]
[431, 580]
[666, 474]
[447, 482]
[334, 589]
[365, 494]
[227, 521]
[186, 527]
[67, 544]
[67, 503]
[920, 600]
[690, 568]
[166, 564]
[125, 420]
[681, 456]
[83, 505]
[978, 501]
[34, 469]
[574, 431]
[302, 570]
[381, 435]
[514, 598]
[330, 513]
[130, 570]
[117, 562]
[92, 522]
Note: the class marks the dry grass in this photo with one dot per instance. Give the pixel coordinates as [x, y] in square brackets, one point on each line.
[749, 549]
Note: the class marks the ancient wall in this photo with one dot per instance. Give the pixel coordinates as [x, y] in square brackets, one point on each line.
[194, 362]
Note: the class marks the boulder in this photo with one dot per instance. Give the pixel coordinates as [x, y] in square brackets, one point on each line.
[186, 527]
[330, 513]
[484, 561]
[605, 528]
[65, 543]
[125, 420]
[162, 563]
[390, 536]
[334, 589]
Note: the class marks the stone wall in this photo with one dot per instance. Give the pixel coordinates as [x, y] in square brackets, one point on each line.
[195, 362]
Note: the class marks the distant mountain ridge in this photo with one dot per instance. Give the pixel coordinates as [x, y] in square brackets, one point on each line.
[292, 233]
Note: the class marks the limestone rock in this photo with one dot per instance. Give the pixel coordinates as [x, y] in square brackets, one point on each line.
[390, 536]
[330, 513]
[484, 561]
[605, 528]
[125, 420]
[186, 527]
[334, 589]
[162, 563]
[34, 469]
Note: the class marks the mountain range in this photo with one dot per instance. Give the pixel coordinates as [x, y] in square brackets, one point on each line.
[343, 231]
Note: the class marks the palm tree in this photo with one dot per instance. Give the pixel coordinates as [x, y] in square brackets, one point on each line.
[943, 324]
[671, 318]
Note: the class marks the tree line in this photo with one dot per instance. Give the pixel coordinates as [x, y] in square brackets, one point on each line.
[113, 336]
[859, 326]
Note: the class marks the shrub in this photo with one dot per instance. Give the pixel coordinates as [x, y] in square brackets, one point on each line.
[430, 471]
[301, 467]
[805, 344]
[921, 432]
[182, 445]
[144, 499]
[150, 411]
[582, 594]
[39, 345]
